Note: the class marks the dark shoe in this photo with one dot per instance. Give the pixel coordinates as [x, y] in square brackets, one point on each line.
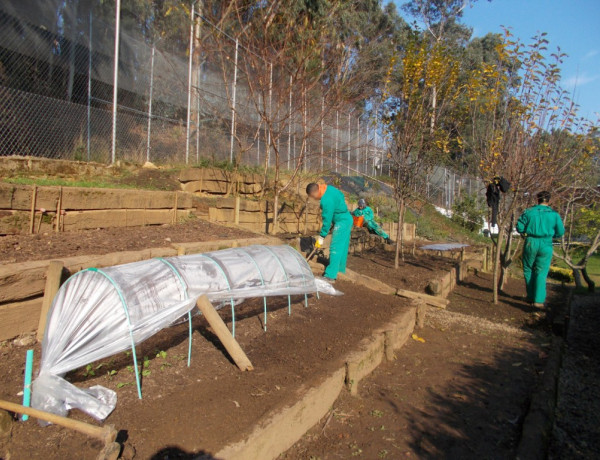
[329, 280]
[388, 241]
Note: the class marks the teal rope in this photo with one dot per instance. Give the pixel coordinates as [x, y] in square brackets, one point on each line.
[228, 287]
[287, 280]
[262, 280]
[116, 286]
[186, 297]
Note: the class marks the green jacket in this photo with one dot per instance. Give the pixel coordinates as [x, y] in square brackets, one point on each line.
[333, 209]
[367, 213]
[540, 222]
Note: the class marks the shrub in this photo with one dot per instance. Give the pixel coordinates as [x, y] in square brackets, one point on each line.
[469, 212]
[561, 274]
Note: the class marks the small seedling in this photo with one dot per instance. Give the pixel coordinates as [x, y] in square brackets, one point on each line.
[89, 371]
[124, 384]
[130, 369]
[110, 374]
[377, 413]
[146, 372]
[163, 366]
[146, 364]
[161, 354]
[383, 453]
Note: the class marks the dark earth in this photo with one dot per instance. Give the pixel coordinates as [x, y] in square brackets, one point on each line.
[21, 248]
[459, 390]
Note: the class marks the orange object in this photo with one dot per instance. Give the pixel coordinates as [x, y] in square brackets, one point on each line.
[358, 221]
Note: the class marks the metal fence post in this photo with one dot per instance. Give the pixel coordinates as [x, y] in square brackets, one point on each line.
[322, 130]
[367, 148]
[337, 131]
[349, 136]
[235, 71]
[115, 80]
[89, 90]
[189, 95]
[290, 127]
[358, 144]
[304, 154]
[258, 145]
[150, 103]
[270, 111]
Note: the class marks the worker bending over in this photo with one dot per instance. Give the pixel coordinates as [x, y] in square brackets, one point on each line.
[334, 212]
[538, 224]
[367, 213]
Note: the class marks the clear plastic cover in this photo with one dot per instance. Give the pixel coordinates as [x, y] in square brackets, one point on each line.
[101, 312]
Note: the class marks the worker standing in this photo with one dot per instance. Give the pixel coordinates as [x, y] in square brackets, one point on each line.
[538, 224]
[334, 212]
[367, 213]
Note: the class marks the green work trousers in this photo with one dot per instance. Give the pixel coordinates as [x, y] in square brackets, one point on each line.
[537, 255]
[375, 228]
[340, 242]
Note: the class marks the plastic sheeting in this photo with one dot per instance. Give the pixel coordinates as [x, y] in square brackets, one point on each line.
[444, 247]
[101, 312]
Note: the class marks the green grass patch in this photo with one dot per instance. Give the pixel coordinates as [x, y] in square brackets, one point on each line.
[67, 183]
[436, 227]
[593, 265]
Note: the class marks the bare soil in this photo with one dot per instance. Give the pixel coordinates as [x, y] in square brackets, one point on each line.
[576, 433]
[414, 273]
[462, 392]
[473, 297]
[21, 248]
[197, 409]
[153, 179]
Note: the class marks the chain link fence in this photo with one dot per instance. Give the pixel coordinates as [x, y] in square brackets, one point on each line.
[193, 96]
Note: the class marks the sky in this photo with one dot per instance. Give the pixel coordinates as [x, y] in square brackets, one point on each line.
[574, 25]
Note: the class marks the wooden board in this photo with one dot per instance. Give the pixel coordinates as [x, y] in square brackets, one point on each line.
[19, 317]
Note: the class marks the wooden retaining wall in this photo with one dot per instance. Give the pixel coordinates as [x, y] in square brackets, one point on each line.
[257, 216]
[22, 284]
[87, 208]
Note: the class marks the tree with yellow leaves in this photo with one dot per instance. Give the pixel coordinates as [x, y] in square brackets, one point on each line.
[422, 68]
[517, 110]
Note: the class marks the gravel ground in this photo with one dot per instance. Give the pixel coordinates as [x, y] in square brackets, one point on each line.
[577, 424]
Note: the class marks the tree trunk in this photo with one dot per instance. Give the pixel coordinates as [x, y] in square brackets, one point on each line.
[276, 193]
[497, 264]
[577, 277]
[400, 234]
[588, 280]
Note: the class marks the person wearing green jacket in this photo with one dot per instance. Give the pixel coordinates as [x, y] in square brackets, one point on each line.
[334, 212]
[538, 224]
[367, 213]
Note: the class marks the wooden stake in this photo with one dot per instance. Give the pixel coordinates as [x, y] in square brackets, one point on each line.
[175, 208]
[106, 433]
[438, 302]
[40, 221]
[32, 216]
[58, 210]
[236, 213]
[53, 278]
[222, 332]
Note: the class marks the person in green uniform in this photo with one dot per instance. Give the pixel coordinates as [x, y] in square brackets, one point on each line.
[538, 224]
[367, 213]
[334, 212]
